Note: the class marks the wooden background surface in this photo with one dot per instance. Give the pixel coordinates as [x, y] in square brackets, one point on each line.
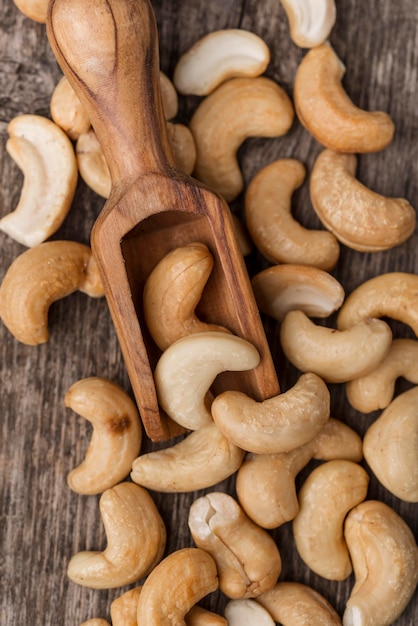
[42, 521]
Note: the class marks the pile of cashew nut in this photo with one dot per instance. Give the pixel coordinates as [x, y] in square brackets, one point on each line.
[264, 444]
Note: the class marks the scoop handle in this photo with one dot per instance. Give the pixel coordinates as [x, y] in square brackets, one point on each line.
[108, 50]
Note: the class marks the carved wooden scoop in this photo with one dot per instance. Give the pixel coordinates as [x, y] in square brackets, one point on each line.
[108, 49]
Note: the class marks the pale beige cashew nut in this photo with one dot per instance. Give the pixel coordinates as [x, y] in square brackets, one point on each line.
[247, 611]
[237, 109]
[377, 389]
[202, 459]
[335, 355]
[188, 367]
[96, 621]
[169, 96]
[183, 146]
[358, 217]
[393, 295]
[136, 539]
[34, 9]
[218, 56]
[172, 292]
[197, 616]
[123, 609]
[282, 288]
[67, 111]
[117, 434]
[296, 604]
[265, 483]
[385, 562]
[390, 446]
[247, 558]
[274, 230]
[329, 492]
[326, 111]
[310, 21]
[278, 424]
[45, 154]
[40, 276]
[175, 585]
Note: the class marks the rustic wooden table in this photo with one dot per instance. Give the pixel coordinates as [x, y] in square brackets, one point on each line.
[42, 521]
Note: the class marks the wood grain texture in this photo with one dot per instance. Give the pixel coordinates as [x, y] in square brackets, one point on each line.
[42, 522]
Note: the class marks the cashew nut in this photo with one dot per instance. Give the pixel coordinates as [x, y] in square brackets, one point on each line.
[326, 111]
[168, 96]
[95, 621]
[67, 111]
[188, 367]
[237, 109]
[265, 483]
[175, 585]
[45, 154]
[329, 492]
[390, 446]
[183, 145]
[278, 236]
[217, 56]
[278, 424]
[247, 611]
[197, 616]
[123, 609]
[116, 438]
[310, 21]
[385, 562]
[40, 276]
[136, 539]
[34, 9]
[247, 558]
[336, 356]
[202, 459]
[359, 217]
[295, 604]
[172, 292]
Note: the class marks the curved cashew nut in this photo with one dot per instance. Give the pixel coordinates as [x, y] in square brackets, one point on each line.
[326, 111]
[45, 154]
[278, 236]
[330, 491]
[390, 446]
[265, 483]
[197, 616]
[310, 21]
[217, 56]
[295, 604]
[136, 539]
[183, 145]
[385, 562]
[40, 276]
[201, 460]
[247, 611]
[172, 292]
[67, 111]
[169, 97]
[336, 356]
[359, 217]
[34, 9]
[282, 288]
[278, 424]
[247, 558]
[175, 585]
[188, 367]
[123, 609]
[116, 438]
[237, 109]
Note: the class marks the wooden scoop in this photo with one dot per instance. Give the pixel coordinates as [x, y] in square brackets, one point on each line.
[108, 49]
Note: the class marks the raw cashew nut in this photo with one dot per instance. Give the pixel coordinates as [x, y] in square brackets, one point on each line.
[385, 562]
[336, 356]
[183, 145]
[217, 56]
[310, 21]
[116, 438]
[329, 492]
[376, 390]
[123, 609]
[295, 604]
[172, 292]
[34, 9]
[168, 96]
[327, 112]
[67, 111]
[247, 558]
[45, 154]
[175, 585]
[136, 539]
[197, 616]
[237, 109]
[95, 621]
[40, 276]
[359, 217]
[201, 460]
[278, 424]
[188, 367]
[278, 236]
[391, 446]
[247, 611]
[265, 483]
